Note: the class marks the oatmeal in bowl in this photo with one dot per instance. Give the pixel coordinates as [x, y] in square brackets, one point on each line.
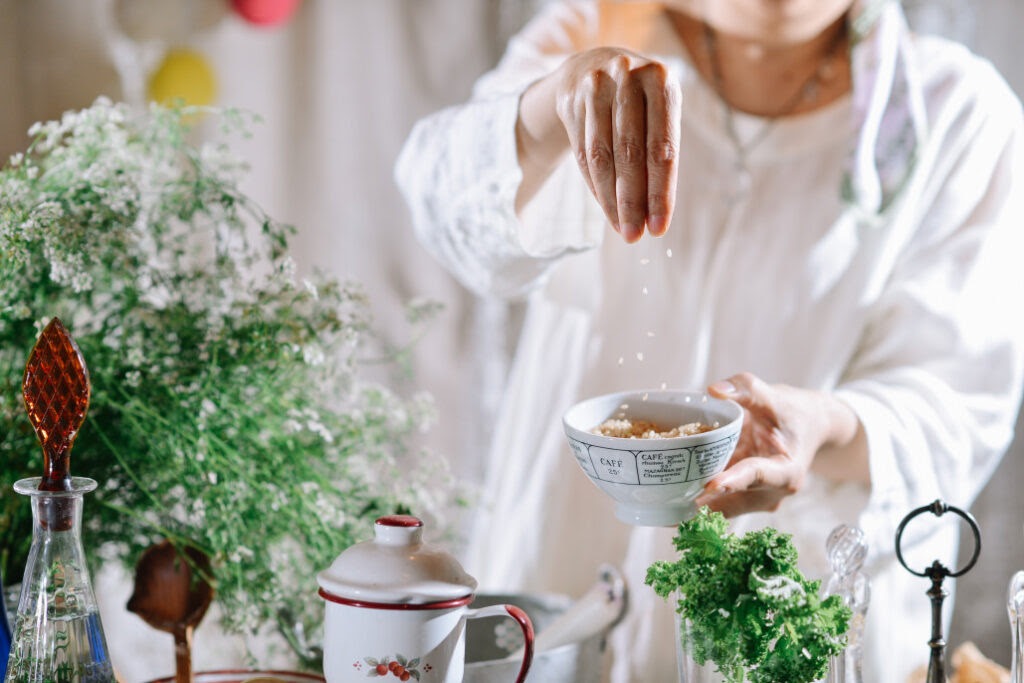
[653, 451]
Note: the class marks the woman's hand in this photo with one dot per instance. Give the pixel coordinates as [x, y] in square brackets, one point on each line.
[784, 429]
[618, 113]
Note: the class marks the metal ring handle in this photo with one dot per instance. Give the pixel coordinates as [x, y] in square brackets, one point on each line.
[939, 508]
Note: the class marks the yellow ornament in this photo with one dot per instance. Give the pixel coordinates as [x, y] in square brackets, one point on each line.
[185, 76]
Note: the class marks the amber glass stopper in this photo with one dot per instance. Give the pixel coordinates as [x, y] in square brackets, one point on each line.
[56, 390]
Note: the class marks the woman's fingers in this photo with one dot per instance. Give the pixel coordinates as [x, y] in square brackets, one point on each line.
[663, 114]
[621, 115]
[736, 504]
[745, 388]
[753, 484]
[597, 152]
[629, 142]
[755, 473]
[759, 474]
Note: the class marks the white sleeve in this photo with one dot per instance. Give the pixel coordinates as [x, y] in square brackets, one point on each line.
[459, 171]
[936, 380]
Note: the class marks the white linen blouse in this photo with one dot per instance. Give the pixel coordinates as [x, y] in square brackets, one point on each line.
[870, 249]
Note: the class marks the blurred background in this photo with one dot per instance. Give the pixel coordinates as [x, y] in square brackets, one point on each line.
[338, 84]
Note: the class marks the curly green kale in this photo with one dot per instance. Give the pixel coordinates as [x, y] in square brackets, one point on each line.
[749, 609]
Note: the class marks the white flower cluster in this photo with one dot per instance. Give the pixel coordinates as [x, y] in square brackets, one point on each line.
[228, 411]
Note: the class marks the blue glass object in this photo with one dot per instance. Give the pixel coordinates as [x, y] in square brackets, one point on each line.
[5, 633]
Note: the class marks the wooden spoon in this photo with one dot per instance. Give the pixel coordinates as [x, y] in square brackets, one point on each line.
[172, 595]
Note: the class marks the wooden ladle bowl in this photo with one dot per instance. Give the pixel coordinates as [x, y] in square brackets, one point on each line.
[172, 595]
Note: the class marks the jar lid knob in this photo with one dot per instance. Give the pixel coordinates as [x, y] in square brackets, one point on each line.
[398, 530]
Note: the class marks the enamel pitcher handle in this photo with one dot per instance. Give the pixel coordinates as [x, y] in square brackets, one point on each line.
[524, 623]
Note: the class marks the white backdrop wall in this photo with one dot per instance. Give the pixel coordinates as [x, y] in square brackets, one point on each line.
[338, 88]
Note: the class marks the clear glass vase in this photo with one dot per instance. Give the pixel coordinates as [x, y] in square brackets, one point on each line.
[689, 670]
[692, 672]
[57, 634]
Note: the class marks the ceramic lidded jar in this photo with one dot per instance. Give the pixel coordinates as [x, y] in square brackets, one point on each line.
[397, 608]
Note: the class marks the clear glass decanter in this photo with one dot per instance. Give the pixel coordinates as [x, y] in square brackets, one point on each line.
[846, 550]
[1015, 608]
[58, 637]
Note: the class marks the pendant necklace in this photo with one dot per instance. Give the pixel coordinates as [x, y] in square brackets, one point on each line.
[808, 92]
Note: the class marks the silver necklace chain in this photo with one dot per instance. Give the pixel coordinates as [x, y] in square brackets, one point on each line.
[808, 91]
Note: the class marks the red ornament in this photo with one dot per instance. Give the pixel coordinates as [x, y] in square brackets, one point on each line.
[265, 12]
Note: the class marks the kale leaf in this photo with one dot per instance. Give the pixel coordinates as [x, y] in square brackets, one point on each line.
[748, 608]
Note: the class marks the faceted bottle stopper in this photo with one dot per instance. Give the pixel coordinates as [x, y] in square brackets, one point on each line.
[56, 390]
[1015, 598]
[846, 550]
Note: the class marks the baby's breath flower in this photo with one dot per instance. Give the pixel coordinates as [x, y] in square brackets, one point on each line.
[207, 407]
[228, 410]
[313, 354]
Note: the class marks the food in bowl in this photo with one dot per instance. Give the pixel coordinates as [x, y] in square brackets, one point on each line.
[624, 428]
[653, 481]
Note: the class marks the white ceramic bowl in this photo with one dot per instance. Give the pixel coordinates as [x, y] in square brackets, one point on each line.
[653, 481]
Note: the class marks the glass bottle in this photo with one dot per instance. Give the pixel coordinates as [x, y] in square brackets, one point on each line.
[1015, 608]
[846, 550]
[58, 637]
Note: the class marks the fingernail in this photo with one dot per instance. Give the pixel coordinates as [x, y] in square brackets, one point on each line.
[723, 387]
[630, 232]
[657, 225]
[712, 491]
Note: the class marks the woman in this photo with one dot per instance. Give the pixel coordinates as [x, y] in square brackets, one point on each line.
[810, 210]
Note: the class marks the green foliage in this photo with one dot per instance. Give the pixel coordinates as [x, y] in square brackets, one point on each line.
[749, 609]
[228, 412]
